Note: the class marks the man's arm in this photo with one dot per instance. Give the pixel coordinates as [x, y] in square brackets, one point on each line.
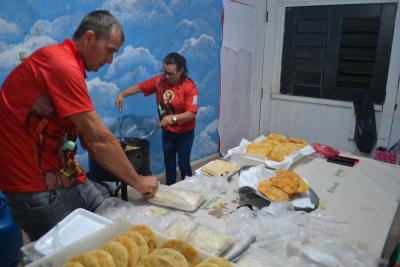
[107, 151]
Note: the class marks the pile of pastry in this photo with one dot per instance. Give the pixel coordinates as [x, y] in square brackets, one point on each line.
[283, 186]
[275, 147]
[138, 247]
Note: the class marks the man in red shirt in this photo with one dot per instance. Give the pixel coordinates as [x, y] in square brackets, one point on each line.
[44, 108]
[176, 96]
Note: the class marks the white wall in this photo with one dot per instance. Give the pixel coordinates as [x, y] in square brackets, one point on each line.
[241, 78]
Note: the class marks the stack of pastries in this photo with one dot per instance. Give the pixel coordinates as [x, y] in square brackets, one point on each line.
[275, 147]
[138, 247]
[283, 186]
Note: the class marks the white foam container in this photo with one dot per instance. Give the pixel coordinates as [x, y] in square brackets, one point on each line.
[77, 225]
[93, 241]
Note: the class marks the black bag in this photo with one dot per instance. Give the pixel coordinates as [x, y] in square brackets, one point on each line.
[365, 132]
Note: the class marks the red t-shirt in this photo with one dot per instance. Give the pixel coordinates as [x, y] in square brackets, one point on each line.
[173, 99]
[35, 101]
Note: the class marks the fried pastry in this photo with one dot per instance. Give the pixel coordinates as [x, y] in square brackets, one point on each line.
[300, 143]
[221, 262]
[277, 137]
[117, 251]
[74, 264]
[140, 241]
[272, 192]
[104, 258]
[147, 234]
[86, 260]
[167, 255]
[190, 253]
[287, 181]
[259, 149]
[132, 248]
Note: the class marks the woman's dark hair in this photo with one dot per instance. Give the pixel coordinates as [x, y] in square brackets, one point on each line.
[179, 61]
[100, 22]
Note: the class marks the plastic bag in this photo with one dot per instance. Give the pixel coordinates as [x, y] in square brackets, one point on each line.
[365, 131]
[200, 236]
[177, 198]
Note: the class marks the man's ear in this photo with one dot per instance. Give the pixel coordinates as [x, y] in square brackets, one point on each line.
[89, 37]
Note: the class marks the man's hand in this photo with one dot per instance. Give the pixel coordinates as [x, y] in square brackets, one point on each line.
[147, 185]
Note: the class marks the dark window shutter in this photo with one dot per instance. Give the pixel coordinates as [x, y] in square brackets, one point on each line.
[337, 52]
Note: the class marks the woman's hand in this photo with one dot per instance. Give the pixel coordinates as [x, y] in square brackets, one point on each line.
[167, 121]
[119, 102]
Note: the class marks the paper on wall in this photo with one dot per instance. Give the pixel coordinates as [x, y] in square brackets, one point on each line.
[239, 29]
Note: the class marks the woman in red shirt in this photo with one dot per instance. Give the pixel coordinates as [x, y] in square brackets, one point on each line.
[176, 96]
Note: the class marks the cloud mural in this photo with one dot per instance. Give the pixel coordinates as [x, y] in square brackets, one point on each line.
[153, 28]
[8, 27]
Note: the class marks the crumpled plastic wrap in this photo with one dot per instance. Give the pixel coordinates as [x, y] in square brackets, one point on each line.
[208, 186]
[116, 209]
[177, 198]
[289, 238]
[200, 236]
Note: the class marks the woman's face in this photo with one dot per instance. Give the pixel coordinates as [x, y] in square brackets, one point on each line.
[171, 73]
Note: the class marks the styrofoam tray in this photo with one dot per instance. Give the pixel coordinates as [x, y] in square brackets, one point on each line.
[239, 156]
[92, 242]
[76, 225]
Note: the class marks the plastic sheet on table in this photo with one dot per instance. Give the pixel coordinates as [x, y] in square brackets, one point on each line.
[289, 238]
[116, 209]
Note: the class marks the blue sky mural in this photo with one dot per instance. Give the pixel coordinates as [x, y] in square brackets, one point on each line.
[153, 28]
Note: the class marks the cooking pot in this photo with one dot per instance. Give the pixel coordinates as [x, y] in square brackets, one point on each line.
[137, 151]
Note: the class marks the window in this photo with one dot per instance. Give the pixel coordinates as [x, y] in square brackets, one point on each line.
[337, 52]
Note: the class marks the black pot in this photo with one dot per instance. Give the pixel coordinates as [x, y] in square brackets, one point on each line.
[139, 158]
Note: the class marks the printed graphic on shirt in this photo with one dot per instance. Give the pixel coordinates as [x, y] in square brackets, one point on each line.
[166, 108]
[194, 100]
[40, 117]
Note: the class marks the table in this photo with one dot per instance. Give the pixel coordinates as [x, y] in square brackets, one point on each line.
[358, 202]
[365, 197]
[361, 201]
